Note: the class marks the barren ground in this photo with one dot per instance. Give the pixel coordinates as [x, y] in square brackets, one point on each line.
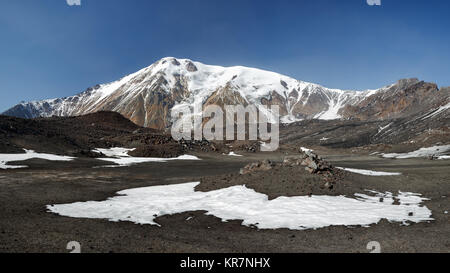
[25, 226]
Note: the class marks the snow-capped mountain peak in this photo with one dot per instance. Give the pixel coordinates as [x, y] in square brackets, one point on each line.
[147, 96]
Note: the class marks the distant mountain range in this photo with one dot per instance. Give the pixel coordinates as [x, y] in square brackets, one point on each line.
[147, 96]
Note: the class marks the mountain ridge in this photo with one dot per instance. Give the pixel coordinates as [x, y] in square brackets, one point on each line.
[147, 96]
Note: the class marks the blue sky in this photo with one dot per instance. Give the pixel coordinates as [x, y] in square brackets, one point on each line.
[50, 49]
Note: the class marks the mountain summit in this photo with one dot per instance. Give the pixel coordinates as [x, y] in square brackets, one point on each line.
[147, 96]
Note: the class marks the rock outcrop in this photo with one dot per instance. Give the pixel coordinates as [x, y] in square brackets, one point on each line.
[312, 162]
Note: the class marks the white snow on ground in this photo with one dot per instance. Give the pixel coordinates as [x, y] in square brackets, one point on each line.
[305, 150]
[324, 139]
[423, 152]
[442, 157]
[368, 172]
[263, 145]
[405, 198]
[233, 154]
[114, 152]
[120, 157]
[29, 154]
[128, 161]
[143, 205]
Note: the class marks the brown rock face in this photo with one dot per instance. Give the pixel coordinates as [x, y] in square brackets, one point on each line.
[311, 104]
[227, 95]
[407, 97]
[312, 162]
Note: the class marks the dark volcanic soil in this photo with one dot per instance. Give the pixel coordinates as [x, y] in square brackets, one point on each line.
[25, 226]
[282, 181]
[385, 136]
[78, 136]
[65, 135]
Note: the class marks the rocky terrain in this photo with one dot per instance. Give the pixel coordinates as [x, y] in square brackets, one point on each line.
[78, 136]
[422, 129]
[26, 225]
[316, 175]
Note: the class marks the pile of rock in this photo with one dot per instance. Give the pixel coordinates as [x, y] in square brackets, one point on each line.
[313, 163]
[262, 166]
[307, 159]
[247, 146]
[203, 145]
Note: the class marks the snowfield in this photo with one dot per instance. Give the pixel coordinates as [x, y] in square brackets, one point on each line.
[29, 154]
[368, 172]
[439, 151]
[143, 205]
[120, 157]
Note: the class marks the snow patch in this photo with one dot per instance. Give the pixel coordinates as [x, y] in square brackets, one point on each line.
[233, 154]
[29, 154]
[381, 129]
[289, 119]
[143, 205]
[120, 157]
[335, 104]
[305, 150]
[114, 152]
[439, 151]
[368, 172]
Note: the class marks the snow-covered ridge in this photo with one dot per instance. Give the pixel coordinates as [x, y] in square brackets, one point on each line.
[200, 81]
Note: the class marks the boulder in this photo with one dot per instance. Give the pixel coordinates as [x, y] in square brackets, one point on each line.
[312, 162]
